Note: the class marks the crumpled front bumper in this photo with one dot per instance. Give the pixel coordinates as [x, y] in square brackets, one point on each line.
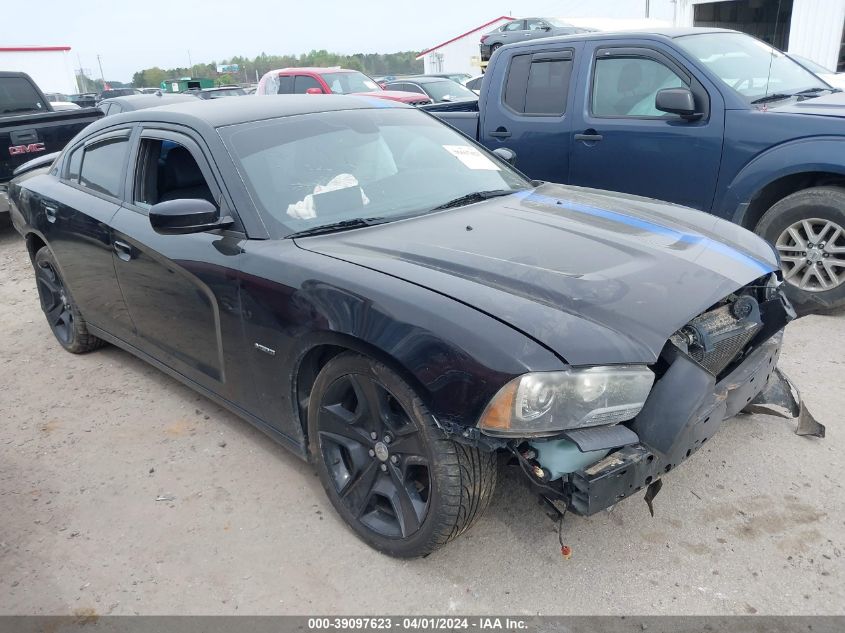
[675, 423]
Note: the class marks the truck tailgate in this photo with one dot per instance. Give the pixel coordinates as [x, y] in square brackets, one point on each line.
[27, 136]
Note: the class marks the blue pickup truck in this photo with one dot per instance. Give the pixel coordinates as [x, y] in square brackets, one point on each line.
[708, 118]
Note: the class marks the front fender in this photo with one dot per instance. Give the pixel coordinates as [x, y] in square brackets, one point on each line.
[454, 355]
[814, 154]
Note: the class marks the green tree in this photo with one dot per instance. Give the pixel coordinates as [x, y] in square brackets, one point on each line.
[400, 63]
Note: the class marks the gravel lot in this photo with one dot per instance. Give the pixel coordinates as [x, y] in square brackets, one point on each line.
[752, 524]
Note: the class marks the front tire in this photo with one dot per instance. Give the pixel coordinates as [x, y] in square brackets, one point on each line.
[808, 230]
[390, 472]
[63, 316]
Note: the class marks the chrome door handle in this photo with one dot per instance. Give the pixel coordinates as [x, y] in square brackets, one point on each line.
[50, 210]
[589, 136]
[123, 250]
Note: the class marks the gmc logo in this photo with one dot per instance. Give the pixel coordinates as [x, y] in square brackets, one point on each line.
[32, 148]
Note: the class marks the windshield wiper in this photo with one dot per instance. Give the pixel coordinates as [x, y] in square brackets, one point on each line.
[814, 91]
[342, 225]
[777, 96]
[475, 196]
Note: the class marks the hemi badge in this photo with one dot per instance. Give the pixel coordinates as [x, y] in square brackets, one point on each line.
[265, 349]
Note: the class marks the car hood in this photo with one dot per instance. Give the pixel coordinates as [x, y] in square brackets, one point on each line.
[597, 277]
[827, 105]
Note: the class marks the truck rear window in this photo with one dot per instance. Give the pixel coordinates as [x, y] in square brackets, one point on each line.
[18, 95]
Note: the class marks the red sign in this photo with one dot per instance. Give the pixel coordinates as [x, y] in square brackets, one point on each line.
[32, 148]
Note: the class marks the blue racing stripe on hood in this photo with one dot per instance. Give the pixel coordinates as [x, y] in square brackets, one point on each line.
[651, 227]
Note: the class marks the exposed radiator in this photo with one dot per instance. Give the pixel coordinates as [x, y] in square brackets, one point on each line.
[715, 338]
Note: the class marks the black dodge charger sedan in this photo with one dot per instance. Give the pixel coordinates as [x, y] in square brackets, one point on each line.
[397, 304]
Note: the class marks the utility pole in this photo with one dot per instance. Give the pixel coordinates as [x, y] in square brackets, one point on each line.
[190, 65]
[647, 8]
[102, 76]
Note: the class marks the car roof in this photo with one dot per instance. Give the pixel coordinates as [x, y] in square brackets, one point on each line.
[148, 100]
[317, 70]
[647, 33]
[214, 113]
[422, 79]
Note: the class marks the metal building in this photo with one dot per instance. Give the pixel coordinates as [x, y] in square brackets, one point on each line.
[812, 28]
[49, 66]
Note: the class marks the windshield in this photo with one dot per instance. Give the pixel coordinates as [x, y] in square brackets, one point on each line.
[557, 23]
[812, 66]
[18, 95]
[316, 169]
[448, 90]
[349, 82]
[751, 67]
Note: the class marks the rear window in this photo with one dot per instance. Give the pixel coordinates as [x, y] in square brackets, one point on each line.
[18, 95]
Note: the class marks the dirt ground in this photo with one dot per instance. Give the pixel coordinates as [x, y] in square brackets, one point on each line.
[121, 492]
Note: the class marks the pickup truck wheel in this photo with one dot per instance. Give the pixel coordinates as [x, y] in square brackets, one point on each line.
[390, 472]
[63, 316]
[808, 230]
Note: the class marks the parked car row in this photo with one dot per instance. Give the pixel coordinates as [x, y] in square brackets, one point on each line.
[338, 81]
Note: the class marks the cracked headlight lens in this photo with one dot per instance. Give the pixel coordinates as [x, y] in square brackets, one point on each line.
[544, 403]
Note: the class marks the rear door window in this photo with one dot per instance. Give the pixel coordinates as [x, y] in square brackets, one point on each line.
[103, 166]
[73, 164]
[538, 84]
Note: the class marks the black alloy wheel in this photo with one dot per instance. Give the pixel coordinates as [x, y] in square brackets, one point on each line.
[63, 317]
[389, 471]
[374, 455]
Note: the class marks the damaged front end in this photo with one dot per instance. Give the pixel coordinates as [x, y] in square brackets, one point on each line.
[723, 362]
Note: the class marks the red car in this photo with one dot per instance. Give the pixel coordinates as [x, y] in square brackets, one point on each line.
[330, 81]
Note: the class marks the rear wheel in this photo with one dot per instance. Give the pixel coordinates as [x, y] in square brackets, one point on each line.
[391, 474]
[63, 317]
[808, 231]
[494, 48]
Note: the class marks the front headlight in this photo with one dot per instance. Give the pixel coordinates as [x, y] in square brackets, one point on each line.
[543, 403]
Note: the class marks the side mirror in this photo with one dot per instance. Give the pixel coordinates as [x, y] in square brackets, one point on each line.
[546, 27]
[179, 217]
[507, 155]
[313, 91]
[676, 101]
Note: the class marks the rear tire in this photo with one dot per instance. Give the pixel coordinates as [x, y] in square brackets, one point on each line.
[494, 48]
[808, 230]
[63, 316]
[407, 490]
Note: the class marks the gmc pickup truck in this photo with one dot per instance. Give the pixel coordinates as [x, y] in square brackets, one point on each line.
[30, 128]
[707, 118]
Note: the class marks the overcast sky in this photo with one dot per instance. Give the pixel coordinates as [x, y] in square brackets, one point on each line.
[134, 34]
